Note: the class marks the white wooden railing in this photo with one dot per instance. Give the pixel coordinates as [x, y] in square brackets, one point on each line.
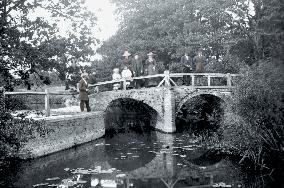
[167, 80]
[46, 94]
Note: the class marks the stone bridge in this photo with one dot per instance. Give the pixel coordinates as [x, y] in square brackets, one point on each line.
[164, 102]
[161, 102]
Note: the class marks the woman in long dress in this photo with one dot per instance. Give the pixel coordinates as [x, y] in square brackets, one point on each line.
[151, 69]
[199, 60]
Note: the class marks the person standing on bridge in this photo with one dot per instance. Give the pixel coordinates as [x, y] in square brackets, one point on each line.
[116, 76]
[83, 92]
[186, 62]
[126, 60]
[151, 69]
[137, 69]
[199, 60]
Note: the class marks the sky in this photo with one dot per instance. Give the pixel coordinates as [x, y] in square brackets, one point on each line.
[107, 22]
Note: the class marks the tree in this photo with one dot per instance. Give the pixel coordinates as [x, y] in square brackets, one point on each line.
[256, 130]
[30, 46]
[171, 27]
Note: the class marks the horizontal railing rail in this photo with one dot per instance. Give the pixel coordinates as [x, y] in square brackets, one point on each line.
[46, 93]
[168, 81]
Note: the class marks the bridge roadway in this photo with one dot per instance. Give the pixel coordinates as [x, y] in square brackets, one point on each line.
[162, 101]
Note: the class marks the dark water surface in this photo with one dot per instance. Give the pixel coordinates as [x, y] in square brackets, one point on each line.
[150, 160]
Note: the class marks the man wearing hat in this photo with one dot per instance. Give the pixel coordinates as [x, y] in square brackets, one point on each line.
[83, 92]
[125, 62]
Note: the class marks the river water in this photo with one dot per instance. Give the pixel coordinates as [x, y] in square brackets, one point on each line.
[150, 160]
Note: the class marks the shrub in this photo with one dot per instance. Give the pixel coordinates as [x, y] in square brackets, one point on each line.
[257, 133]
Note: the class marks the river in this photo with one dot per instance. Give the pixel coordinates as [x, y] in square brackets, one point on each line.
[150, 160]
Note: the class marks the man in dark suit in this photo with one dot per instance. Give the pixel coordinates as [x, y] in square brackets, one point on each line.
[83, 92]
[186, 62]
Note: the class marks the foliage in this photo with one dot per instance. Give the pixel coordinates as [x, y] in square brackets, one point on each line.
[169, 28]
[258, 131]
[31, 44]
[15, 103]
[268, 23]
[14, 132]
[230, 64]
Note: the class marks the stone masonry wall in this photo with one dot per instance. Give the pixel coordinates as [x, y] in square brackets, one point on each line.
[65, 132]
[153, 97]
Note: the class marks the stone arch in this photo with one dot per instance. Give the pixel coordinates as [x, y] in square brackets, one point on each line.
[225, 96]
[201, 111]
[151, 112]
[151, 97]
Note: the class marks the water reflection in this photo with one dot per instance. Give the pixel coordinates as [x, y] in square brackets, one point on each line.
[128, 160]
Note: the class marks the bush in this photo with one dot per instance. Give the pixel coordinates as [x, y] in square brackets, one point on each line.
[254, 130]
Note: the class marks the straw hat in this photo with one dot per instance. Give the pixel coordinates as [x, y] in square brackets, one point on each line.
[150, 54]
[126, 54]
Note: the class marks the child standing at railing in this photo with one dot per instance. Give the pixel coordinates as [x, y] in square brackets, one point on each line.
[116, 76]
[127, 74]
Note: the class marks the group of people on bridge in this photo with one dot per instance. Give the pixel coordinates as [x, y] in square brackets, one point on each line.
[135, 67]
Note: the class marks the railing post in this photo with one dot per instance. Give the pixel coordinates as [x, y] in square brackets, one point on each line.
[124, 84]
[192, 79]
[229, 80]
[167, 78]
[2, 99]
[209, 79]
[47, 105]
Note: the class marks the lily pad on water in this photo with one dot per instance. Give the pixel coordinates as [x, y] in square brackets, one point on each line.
[221, 184]
[52, 179]
[53, 185]
[40, 184]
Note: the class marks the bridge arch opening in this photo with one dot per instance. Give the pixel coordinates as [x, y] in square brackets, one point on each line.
[126, 115]
[200, 115]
